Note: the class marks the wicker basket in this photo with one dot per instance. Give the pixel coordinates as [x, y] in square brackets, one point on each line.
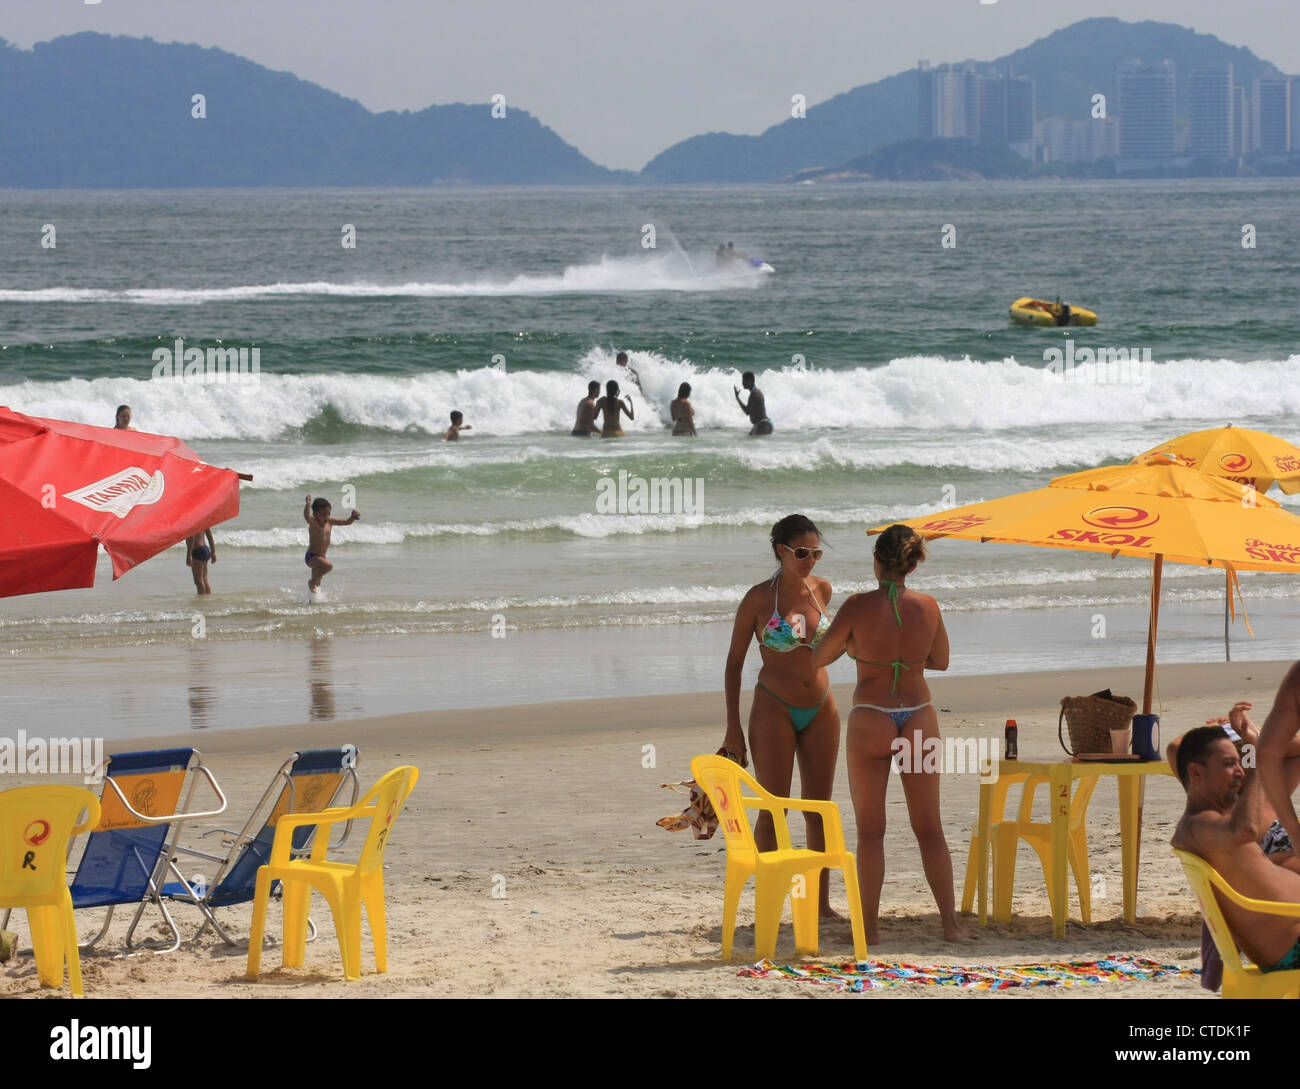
[1091, 719]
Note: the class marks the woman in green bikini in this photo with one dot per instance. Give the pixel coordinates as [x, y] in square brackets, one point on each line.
[793, 714]
[895, 635]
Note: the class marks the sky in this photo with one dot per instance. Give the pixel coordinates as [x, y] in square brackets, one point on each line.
[618, 79]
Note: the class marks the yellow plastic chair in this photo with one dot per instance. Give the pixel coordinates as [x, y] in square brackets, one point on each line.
[1004, 783]
[345, 886]
[1241, 979]
[774, 872]
[36, 824]
[1005, 835]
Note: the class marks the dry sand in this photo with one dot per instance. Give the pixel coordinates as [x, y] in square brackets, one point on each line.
[553, 805]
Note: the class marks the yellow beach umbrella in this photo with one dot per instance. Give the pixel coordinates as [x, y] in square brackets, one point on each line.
[1162, 511]
[1247, 457]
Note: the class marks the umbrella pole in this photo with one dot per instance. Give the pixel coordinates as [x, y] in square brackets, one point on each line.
[1227, 649]
[1152, 625]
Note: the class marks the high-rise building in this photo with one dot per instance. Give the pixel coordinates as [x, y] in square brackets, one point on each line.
[1272, 115]
[945, 99]
[1070, 140]
[1210, 92]
[1006, 113]
[1295, 113]
[1146, 110]
[925, 100]
[971, 91]
[957, 103]
[1240, 121]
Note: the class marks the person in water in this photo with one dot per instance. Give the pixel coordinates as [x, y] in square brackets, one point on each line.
[621, 360]
[200, 550]
[793, 714]
[894, 634]
[319, 527]
[609, 407]
[122, 419]
[756, 410]
[457, 426]
[584, 426]
[683, 414]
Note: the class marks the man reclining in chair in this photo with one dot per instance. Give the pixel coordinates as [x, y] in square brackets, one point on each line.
[1227, 822]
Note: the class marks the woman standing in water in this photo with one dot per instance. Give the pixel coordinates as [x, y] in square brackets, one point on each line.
[895, 635]
[793, 714]
[609, 407]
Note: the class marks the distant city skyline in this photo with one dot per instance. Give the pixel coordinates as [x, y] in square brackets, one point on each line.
[623, 84]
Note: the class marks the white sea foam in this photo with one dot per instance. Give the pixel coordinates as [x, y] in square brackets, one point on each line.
[920, 402]
[652, 271]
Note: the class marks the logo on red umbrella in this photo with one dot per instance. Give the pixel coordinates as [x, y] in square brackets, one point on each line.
[1120, 517]
[122, 492]
[36, 833]
[1234, 463]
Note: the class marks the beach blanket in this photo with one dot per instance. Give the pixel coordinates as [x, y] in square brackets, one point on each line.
[872, 975]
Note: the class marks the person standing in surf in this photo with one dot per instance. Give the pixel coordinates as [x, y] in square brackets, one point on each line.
[584, 426]
[683, 415]
[621, 360]
[319, 527]
[793, 714]
[198, 555]
[610, 406]
[756, 410]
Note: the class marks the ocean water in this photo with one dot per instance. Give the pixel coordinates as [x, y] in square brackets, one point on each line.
[896, 384]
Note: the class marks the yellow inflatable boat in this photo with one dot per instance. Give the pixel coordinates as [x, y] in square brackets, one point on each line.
[1028, 311]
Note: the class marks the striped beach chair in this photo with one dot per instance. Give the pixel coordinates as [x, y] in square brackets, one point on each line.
[307, 782]
[146, 799]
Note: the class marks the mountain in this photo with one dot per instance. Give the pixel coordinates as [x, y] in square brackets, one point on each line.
[1068, 66]
[94, 111]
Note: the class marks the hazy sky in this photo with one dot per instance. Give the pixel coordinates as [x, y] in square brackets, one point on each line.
[623, 80]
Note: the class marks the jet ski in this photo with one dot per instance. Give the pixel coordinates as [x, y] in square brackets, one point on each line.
[725, 255]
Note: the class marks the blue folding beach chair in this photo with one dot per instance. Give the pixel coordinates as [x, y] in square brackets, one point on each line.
[146, 799]
[307, 782]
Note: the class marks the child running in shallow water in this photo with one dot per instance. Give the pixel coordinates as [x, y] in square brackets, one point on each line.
[319, 527]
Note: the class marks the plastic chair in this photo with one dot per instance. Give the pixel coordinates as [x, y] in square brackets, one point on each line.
[1241, 979]
[36, 824]
[1005, 835]
[345, 886]
[145, 801]
[307, 782]
[774, 872]
[1005, 781]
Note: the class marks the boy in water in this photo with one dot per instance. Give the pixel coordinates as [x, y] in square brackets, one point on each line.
[453, 432]
[197, 557]
[319, 527]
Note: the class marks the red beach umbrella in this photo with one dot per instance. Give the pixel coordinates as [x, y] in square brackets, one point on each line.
[68, 488]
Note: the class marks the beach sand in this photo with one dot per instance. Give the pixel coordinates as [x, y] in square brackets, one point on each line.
[553, 805]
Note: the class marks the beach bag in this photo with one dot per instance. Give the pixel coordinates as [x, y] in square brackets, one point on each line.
[1090, 720]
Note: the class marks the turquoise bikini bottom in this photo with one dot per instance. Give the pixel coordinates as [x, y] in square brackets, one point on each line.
[800, 717]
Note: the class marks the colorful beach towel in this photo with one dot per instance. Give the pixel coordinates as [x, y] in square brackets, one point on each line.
[872, 975]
